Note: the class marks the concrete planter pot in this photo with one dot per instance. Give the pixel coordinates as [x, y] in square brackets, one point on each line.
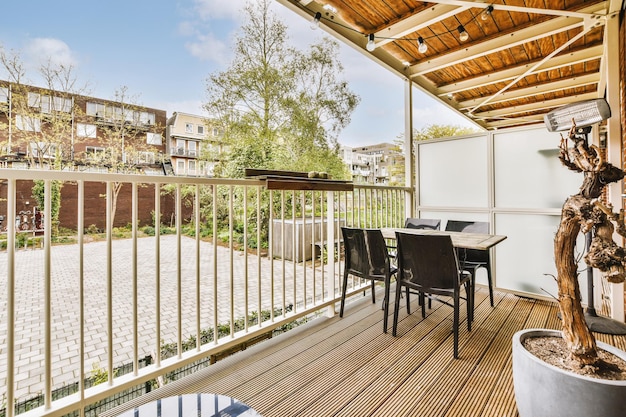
[543, 390]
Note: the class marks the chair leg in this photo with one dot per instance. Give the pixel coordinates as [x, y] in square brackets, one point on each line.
[455, 325]
[343, 293]
[386, 304]
[469, 292]
[408, 300]
[396, 309]
[373, 292]
[423, 303]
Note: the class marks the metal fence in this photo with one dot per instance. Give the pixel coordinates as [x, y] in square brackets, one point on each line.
[234, 260]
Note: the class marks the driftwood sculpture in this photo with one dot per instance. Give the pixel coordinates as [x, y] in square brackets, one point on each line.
[586, 212]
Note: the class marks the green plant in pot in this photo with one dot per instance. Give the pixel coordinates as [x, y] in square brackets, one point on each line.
[546, 390]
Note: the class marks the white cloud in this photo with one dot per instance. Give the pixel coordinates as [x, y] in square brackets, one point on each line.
[41, 50]
[219, 9]
[209, 48]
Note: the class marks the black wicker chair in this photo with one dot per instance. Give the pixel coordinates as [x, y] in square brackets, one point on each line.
[428, 265]
[366, 257]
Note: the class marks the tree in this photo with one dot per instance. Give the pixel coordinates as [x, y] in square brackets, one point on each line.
[586, 212]
[441, 131]
[43, 120]
[279, 108]
[124, 139]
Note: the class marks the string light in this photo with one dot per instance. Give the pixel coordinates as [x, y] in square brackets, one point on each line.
[316, 21]
[463, 35]
[370, 43]
[486, 13]
[422, 46]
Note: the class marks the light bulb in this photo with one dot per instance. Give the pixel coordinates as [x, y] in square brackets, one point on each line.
[315, 23]
[370, 43]
[463, 35]
[486, 13]
[422, 48]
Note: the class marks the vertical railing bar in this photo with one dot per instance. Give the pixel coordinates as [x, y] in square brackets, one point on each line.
[179, 280]
[157, 275]
[109, 237]
[48, 295]
[231, 228]
[11, 208]
[245, 257]
[282, 250]
[215, 295]
[258, 248]
[313, 248]
[80, 211]
[295, 253]
[196, 204]
[369, 220]
[304, 260]
[135, 212]
[323, 239]
[270, 245]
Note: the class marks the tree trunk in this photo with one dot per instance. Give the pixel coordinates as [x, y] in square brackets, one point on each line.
[576, 334]
[585, 211]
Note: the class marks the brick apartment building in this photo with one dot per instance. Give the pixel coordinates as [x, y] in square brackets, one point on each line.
[46, 129]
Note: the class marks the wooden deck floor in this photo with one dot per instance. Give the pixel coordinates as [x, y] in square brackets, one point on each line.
[349, 367]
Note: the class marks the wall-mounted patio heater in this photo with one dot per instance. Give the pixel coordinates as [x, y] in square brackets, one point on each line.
[585, 114]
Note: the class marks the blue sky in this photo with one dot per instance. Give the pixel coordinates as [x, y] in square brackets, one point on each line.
[163, 51]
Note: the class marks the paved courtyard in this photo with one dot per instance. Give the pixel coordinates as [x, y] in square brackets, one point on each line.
[65, 301]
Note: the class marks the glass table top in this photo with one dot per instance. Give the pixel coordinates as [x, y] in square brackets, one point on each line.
[193, 405]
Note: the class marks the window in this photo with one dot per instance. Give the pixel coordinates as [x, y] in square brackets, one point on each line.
[200, 130]
[191, 148]
[34, 100]
[4, 95]
[145, 158]
[154, 139]
[43, 149]
[62, 104]
[216, 131]
[188, 127]
[192, 167]
[146, 118]
[95, 109]
[94, 150]
[30, 124]
[85, 130]
[180, 167]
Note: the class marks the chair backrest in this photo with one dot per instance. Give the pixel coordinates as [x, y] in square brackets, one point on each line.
[428, 262]
[378, 255]
[467, 226]
[414, 223]
[356, 262]
[473, 255]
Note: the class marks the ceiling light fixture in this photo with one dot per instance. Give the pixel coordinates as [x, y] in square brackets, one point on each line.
[463, 35]
[370, 43]
[316, 21]
[422, 47]
[486, 13]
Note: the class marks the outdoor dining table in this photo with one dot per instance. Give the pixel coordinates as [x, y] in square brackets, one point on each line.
[479, 241]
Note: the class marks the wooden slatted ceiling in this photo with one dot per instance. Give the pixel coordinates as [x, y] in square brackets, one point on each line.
[496, 77]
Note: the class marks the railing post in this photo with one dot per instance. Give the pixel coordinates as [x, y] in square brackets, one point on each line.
[330, 249]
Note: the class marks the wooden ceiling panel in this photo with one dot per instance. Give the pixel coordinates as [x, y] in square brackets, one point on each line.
[552, 47]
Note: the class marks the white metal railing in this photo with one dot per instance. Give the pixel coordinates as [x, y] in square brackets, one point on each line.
[242, 261]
